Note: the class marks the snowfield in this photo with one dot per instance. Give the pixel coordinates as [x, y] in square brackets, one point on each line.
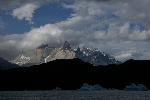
[75, 95]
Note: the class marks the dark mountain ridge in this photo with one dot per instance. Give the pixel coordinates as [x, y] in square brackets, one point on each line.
[4, 64]
[72, 74]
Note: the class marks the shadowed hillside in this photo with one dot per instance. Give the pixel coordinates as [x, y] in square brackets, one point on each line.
[6, 65]
[71, 74]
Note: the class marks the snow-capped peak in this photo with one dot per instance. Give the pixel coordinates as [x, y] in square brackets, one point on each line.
[95, 56]
[21, 60]
[25, 58]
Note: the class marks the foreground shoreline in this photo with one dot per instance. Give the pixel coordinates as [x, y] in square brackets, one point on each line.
[75, 95]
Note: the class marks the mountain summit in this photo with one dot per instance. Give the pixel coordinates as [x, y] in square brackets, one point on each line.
[95, 57]
[67, 46]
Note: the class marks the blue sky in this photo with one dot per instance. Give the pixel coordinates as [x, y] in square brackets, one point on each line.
[12, 25]
[49, 13]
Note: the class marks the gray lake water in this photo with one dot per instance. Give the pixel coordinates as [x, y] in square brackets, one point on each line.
[74, 95]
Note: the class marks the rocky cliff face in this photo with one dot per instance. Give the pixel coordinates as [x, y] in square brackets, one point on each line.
[64, 52]
[60, 53]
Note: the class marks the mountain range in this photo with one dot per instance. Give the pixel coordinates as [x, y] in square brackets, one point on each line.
[45, 54]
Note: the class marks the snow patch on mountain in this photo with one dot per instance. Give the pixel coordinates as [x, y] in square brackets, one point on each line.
[21, 60]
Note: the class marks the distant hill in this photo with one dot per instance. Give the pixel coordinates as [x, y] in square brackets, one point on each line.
[72, 74]
[4, 64]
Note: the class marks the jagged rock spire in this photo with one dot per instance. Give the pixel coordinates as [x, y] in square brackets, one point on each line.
[67, 46]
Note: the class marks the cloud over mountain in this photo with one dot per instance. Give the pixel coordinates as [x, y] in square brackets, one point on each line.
[119, 27]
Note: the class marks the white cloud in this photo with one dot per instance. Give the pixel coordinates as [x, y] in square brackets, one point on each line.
[9, 45]
[124, 56]
[38, 36]
[25, 12]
